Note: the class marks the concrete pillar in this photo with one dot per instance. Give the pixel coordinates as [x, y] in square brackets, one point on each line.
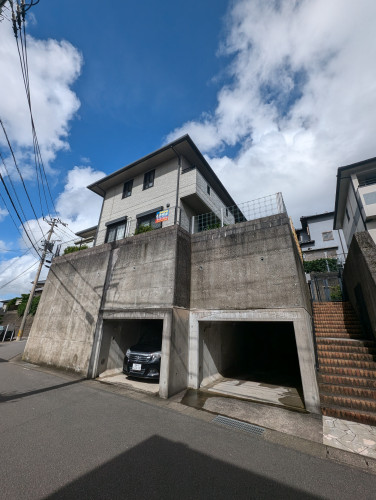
[194, 352]
[306, 355]
[165, 359]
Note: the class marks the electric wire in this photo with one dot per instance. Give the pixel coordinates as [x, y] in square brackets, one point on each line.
[18, 215]
[19, 25]
[19, 173]
[18, 200]
[11, 264]
[16, 278]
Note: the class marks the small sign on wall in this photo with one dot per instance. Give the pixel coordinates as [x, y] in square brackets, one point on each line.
[161, 216]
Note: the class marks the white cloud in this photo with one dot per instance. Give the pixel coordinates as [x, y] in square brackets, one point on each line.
[3, 213]
[298, 103]
[12, 268]
[53, 67]
[76, 206]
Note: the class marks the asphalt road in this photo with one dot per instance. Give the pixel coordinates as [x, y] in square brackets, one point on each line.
[62, 437]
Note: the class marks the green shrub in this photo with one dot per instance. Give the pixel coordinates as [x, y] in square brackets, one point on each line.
[335, 292]
[143, 229]
[320, 265]
[74, 249]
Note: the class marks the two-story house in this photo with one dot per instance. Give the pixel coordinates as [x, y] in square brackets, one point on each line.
[355, 208]
[221, 284]
[166, 187]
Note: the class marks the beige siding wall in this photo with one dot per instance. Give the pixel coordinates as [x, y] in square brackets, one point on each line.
[162, 193]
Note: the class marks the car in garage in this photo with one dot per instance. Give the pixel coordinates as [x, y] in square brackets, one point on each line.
[143, 360]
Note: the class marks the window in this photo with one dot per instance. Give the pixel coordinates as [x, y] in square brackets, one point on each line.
[226, 212]
[208, 189]
[149, 179]
[328, 235]
[148, 220]
[127, 189]
[116, 231]
[370, 198]
[347, 215]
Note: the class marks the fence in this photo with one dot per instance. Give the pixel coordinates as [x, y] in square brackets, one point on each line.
[248, 211]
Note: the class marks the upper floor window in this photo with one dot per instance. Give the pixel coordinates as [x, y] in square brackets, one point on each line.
[208, 189]
[328, 235]
[127, 189]
[149, 179]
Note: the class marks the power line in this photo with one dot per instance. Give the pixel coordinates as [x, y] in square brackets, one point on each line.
[17, 257]
[14, 222]
[16, 278]
[18, 215]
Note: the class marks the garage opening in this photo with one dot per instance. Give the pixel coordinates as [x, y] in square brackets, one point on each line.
[251, 360]
[130, 353]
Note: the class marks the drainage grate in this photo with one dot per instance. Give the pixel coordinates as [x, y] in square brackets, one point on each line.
[237, 424]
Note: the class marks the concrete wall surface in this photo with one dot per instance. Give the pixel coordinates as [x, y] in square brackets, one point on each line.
[250, 265]
[144, 270]
[64, 325]
[168, 274]
[360, 279]
[206, 361]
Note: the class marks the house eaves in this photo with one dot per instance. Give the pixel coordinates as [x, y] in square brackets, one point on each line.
[185, 147]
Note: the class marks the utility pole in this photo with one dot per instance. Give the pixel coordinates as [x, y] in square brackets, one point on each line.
[52, 224]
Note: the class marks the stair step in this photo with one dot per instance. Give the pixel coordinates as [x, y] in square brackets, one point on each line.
[346, 342]
[337, 335]
[348, 371]
[324, 354]
[329, 348]
[347, 402]
[354, 363]
[348, 391]
[354, 381]
[362, 417]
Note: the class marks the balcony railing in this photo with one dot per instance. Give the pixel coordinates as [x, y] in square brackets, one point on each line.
[248, 211]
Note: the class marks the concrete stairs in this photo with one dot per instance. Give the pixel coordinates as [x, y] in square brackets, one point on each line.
[347, 364]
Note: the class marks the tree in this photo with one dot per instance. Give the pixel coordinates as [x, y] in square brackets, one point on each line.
[34, 305]
[320, 265]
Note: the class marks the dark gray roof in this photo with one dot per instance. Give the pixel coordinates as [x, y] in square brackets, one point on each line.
[183, 146]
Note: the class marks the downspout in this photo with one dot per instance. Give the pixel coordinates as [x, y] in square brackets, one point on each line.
[177, 186]
[100, 217]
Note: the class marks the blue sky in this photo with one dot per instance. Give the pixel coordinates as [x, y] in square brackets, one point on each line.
[276, 94]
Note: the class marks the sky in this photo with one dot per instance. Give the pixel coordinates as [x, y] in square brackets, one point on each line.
[277, 94]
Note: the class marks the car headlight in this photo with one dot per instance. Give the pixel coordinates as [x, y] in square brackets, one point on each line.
[155, 356]
[128, 353]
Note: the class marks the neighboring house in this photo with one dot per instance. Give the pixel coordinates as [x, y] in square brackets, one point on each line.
[86, 237]
[175, 182]
[318, 239]
[355, 208]
[222, 299]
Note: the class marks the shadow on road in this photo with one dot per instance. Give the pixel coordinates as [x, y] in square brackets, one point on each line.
[159, 468]
[16, 395]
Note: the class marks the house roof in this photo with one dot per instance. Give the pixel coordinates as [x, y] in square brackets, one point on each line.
[183, 146]
[343, 181]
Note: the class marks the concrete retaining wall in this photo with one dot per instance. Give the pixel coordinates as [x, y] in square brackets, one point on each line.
[250, 265]
[170, 275]
[65, 322]
[360, 279]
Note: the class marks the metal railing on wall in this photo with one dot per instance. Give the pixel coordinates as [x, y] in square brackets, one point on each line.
[248, 211]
